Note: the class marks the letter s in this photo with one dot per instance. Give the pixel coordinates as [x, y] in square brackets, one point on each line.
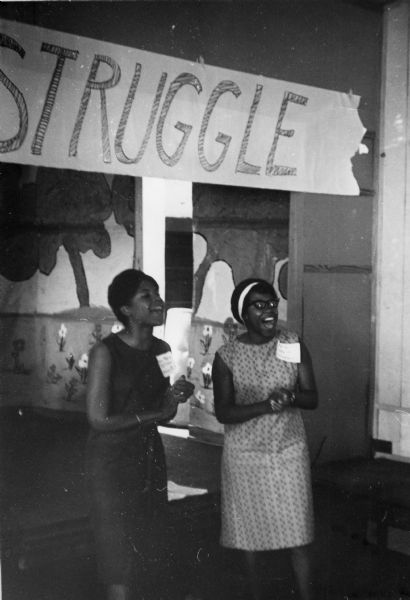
[15, 142]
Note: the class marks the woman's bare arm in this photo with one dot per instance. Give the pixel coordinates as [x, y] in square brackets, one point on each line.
[98, 394]
[226, 410]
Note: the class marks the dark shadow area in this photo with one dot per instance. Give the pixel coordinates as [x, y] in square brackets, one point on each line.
[47, 545]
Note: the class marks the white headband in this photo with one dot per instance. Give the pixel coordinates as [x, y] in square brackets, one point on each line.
[242, 297]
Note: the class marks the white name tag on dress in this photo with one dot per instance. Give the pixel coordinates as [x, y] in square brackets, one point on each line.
[166, 364]
[288, 352]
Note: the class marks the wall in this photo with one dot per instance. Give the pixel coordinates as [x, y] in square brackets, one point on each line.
[232, 241]
[64, 234]
[336, 320]
[392, 297]
[329, 44]
[324, 43]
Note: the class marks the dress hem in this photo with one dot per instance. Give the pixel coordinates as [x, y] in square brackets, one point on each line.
[264, 549]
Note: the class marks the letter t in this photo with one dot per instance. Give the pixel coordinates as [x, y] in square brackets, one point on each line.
[62, 54]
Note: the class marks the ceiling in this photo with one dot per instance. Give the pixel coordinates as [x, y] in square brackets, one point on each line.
[369, 4]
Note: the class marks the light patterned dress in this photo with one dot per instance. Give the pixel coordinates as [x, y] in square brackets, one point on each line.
[266, 487]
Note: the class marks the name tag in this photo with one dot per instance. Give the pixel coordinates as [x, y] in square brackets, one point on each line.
[166, 364]
[288, 352]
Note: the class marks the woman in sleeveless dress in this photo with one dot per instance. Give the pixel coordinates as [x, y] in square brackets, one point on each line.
[127, 396]
[261, 380]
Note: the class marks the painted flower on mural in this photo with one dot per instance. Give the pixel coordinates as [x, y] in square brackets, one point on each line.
[207, 375]
[206, 339]
[70, 361]
[61, 337]
[82, 368]
[190, 363]
[230, 330]
[53, 376]
[71, 388]
[97, 334]
[19, 346]
[198, 399]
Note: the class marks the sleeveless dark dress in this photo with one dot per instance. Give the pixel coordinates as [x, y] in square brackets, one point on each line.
[125, 470]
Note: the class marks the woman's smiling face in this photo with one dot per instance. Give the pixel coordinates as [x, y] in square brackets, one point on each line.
[146, 307]
[261, 314]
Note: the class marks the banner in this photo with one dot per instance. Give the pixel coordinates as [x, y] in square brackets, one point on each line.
[77, 103]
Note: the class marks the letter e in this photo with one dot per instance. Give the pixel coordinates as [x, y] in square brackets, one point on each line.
[272, 169]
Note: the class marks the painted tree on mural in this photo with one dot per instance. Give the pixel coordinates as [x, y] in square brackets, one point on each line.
[123, 192]
[250, 242]
[61, 208]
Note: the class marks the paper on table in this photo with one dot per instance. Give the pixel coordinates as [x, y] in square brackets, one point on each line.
[289, 352]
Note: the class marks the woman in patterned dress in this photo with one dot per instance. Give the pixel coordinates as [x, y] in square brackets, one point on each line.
[128, 395]
[261, 380]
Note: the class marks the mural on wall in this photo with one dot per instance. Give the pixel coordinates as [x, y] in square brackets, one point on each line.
[58, 208]
[64, 235]
[231, 242]
[210, 328]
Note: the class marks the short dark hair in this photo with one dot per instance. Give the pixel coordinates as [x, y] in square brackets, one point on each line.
[122, 289]
[261, 285]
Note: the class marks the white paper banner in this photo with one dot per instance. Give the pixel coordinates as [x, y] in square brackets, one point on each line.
[73, 102]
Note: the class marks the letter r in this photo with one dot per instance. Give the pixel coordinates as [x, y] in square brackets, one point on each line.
[92, 84]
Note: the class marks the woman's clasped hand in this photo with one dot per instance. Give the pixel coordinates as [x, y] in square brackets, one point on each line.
[178, 393]
[182, 389]
[280, 400]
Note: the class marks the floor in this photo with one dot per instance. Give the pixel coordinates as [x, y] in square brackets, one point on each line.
[347, 565]
[346, 568]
